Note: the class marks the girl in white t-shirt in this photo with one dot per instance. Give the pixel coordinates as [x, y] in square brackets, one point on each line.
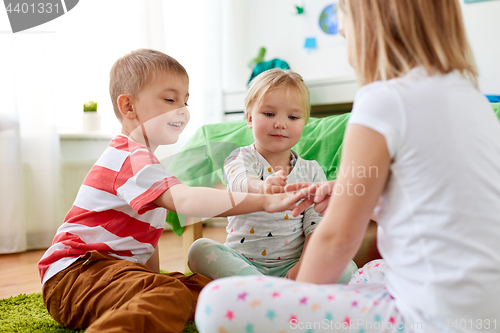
[425, 145]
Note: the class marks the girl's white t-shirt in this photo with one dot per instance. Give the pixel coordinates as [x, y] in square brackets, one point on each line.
[439, 221]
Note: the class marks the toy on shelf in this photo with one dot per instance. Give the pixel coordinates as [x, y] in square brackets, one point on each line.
[258, 64]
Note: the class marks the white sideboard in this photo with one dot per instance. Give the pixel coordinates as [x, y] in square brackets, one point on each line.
[78, 151]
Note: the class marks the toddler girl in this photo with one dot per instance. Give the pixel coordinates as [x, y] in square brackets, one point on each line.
[277, 109]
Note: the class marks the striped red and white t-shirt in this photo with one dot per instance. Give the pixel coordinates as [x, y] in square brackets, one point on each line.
[113, 211]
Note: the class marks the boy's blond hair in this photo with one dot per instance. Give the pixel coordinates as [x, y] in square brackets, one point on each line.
[133, 71]
[273, 79]
[393, 36]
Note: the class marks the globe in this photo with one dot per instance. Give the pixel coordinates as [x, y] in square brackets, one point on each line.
[328, 21]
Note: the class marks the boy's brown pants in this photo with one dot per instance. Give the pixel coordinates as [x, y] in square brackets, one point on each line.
[107, 294]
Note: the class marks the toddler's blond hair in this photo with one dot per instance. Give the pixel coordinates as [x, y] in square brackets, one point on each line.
[133, 71]
[273, 79]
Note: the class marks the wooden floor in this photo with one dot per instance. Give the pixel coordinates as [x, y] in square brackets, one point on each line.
[19, 273]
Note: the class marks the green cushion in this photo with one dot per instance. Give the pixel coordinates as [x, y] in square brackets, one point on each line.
[496, 108]
[200, 162]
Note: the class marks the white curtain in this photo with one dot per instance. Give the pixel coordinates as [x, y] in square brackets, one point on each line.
[192, 34]
[12, 236]
[48, 72]
[28, 139]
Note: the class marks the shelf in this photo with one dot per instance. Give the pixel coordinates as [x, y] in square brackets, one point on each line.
[85, 147]
[81, 135]
[323, 92]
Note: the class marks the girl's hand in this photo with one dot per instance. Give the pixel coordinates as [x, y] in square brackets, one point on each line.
[317, 194]
[322, 197]
[275, 183]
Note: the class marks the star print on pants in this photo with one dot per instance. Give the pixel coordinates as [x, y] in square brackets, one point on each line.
[271, 314]
[211, 257]
[249, 328]
[229, 315]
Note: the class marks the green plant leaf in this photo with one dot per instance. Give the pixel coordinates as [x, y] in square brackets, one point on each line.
[90, 106]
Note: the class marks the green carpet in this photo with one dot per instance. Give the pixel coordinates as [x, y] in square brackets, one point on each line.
[26, 313]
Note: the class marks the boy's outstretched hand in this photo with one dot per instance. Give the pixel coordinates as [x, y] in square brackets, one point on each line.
[275, 183]
[286, 201]
[314, 193]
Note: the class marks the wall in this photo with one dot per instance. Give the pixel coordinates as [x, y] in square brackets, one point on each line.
[248, 25]
[275, 25]
[482, 22]
[192, 34]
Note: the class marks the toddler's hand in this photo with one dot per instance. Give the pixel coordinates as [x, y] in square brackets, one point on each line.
[292, 273]
[275, 183]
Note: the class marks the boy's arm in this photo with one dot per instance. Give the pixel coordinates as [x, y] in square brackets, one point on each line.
[154, 261]
[208, 202]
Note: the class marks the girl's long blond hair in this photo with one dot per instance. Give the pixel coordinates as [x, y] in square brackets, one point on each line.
[393, 36]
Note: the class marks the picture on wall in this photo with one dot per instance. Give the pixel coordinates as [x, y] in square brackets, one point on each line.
[321, 24]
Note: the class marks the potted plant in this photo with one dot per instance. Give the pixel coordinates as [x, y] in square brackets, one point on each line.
[91, 120]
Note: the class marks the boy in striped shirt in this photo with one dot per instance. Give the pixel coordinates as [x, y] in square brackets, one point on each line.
[102, 270]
